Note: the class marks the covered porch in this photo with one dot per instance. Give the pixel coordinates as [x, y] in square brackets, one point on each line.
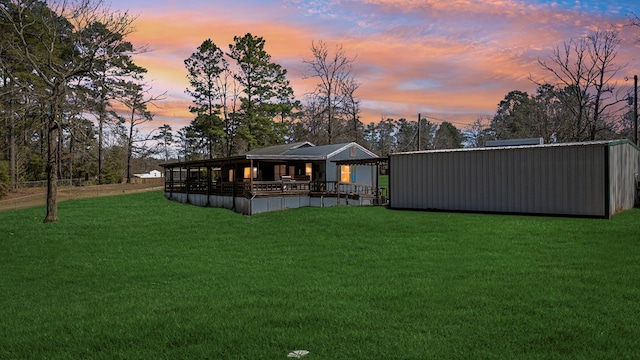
[258, 184]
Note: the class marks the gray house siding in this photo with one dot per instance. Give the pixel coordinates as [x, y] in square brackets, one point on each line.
[588, 179]
[363, 173]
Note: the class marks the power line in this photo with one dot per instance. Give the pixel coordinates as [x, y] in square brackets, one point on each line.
[442, 120]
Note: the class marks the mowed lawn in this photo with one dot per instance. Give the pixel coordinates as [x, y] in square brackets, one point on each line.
[141, 277]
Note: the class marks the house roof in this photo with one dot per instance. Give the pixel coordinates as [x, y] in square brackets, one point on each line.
[294, 151]
[280, 149]
[305, 152]
[327, 150]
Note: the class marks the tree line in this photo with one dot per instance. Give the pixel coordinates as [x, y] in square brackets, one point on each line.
[71, 97]
[241, 100]
[578, 100]
[73, 101]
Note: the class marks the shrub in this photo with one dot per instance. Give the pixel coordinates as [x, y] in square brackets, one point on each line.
[36, 167]
[4, 178]
[111, 176]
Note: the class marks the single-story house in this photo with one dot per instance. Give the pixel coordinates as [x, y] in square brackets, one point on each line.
[591, 179]
[278, 177]
[153, 174]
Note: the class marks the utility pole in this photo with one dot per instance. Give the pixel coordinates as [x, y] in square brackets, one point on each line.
[635, 109]
[419, 132]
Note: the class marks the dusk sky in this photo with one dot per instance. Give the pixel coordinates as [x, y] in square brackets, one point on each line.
[450, 60]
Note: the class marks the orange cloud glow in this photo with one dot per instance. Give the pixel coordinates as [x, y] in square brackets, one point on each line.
[453, 60]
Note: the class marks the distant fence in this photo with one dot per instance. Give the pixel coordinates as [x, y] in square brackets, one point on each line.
[61, 182]
[84, 182]
[36, 196]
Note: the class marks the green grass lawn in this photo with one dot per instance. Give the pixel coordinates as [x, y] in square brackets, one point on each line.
[141, 277]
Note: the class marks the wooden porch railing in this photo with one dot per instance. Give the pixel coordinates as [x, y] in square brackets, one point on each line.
[278, 187]
[330, 188]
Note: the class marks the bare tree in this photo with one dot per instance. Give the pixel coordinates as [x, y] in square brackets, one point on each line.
[634, 20]
[335, 81]
[584, 69]
[352, 110]
[309, 126]
[477, 134]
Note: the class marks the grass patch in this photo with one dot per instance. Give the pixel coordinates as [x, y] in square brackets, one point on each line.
[137, 276]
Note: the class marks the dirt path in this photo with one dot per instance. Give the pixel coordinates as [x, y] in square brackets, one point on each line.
[25, 198]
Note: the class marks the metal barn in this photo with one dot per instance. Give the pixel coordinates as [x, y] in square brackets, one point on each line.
[595, 179]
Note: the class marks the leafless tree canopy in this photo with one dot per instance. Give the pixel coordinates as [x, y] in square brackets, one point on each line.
[335, 90]
[585, 69]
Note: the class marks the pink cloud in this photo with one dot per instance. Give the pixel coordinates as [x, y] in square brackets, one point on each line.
[457, 58]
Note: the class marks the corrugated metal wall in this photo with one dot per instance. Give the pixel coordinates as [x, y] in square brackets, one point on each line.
[624, 166]
[560, 179]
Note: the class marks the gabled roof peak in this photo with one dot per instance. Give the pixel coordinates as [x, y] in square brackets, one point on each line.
[279, 149]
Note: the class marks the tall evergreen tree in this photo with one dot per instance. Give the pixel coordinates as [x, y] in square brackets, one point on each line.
[137, 100]
[113, 67]
[164, 140]
[52, 38]
[205, 68]
[514, 117]
[448, 137]
[265, 92]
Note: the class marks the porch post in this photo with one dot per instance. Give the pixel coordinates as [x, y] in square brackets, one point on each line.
[209, 180]
[338, 178]
[186, 184]
[377, 183]
[251, 175]
[233, 186]
[170, 178]
[373, 183]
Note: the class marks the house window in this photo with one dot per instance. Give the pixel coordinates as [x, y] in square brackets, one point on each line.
[352, 151]
[247, 173]
[345, 173]
[279, 171]
[230, 174]
[308, 170]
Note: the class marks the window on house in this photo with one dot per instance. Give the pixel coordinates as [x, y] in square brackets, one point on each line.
[279, 170]
[345, 173]
[352, 151]
[308, 170]
[247, 172]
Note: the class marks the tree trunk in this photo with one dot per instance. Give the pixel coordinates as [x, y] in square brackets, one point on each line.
[101, 120]
[130, 143]
[13, 173]
[100, 134]
[52, 171]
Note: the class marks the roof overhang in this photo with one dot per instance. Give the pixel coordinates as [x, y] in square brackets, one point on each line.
[242, 159]
[367, 161]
